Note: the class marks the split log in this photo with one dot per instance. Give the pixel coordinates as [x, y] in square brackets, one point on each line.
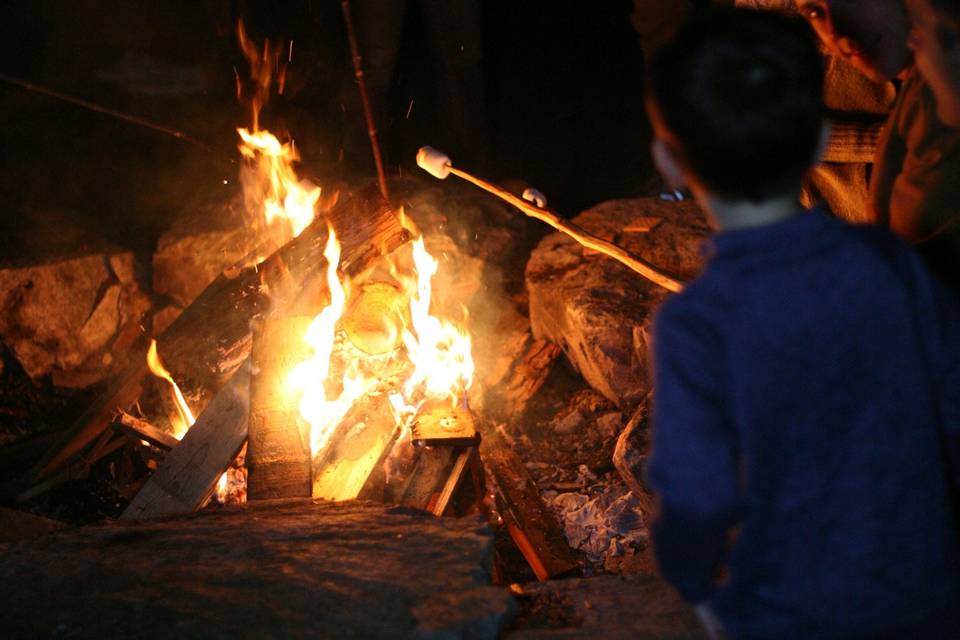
[189, 473]
[439, 475]
[531, 525]
[278, 453]
[356, 450]
[143, 430]
[212, 336]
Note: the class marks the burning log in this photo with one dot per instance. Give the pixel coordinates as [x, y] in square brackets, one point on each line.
[212, 336]
[189, 473]
[278, 455]
[355, 451]
[143, 430]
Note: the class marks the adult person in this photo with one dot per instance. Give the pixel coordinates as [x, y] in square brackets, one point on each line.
[914, 188]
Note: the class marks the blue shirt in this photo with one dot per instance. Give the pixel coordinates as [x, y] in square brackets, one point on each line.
[806, 415]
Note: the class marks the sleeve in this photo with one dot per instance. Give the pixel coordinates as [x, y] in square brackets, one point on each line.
[693, 462]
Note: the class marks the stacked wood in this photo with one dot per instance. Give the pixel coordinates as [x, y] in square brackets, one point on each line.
[189, 473]
[278, 452]
[211, 338]
[596, 309]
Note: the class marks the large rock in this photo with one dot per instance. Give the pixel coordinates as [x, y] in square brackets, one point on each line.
[598, 310]
[290, 569]
[69, 306]
[206, 239]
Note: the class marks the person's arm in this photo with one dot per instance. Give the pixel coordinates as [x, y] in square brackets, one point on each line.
[693, 463]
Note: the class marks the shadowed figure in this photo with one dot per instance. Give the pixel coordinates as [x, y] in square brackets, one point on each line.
[454, 40]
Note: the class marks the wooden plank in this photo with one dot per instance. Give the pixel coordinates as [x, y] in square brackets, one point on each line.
[534, 528]
[443, 424]
[212, 336]
[143, 430]
[429, 475]
[356, 451]
[190, 472]
[461, 469]
[278, 451]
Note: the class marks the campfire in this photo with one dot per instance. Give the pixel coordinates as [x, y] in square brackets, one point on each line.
[384, 382]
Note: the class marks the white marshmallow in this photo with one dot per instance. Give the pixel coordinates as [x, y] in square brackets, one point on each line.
[535, 196]
[434, 162]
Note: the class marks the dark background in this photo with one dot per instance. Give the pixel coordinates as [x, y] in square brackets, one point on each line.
[563, 83]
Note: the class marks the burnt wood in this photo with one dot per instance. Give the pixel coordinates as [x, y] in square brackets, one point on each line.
[532, 526]
[210, 339]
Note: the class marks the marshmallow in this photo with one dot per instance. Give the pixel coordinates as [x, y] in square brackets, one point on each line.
[434, 162]
[535, 196]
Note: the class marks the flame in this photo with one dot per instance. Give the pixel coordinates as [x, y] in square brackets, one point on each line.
[439, 350]
[310, 377]
[439, 365]
[286, 200]
[183, 409]
[223, 484]
[270, 183]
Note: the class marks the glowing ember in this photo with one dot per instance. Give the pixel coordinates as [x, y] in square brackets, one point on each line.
[186, 420]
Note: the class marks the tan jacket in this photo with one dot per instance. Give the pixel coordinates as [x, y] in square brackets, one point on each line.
[915, 188]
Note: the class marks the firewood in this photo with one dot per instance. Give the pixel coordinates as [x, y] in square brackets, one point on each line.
[428, 477]
[143, 430]
[356, 450]
[190, 471]
[278, 453]
[211, 337]
[532, 526]
[439, 424]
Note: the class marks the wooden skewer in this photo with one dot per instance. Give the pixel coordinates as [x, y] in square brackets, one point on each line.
[582, 236]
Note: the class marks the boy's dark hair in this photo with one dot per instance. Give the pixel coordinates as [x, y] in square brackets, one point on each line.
[741, 93]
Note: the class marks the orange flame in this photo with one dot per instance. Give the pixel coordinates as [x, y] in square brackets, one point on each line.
[310, 377]
[183, 409]
[271, 185]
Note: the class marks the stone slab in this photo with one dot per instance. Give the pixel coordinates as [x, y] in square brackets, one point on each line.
[284, 569]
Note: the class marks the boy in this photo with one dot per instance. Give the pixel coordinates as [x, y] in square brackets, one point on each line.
[805, 381]
[914, 188]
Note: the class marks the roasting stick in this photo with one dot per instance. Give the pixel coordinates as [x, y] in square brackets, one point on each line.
[438, 165]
